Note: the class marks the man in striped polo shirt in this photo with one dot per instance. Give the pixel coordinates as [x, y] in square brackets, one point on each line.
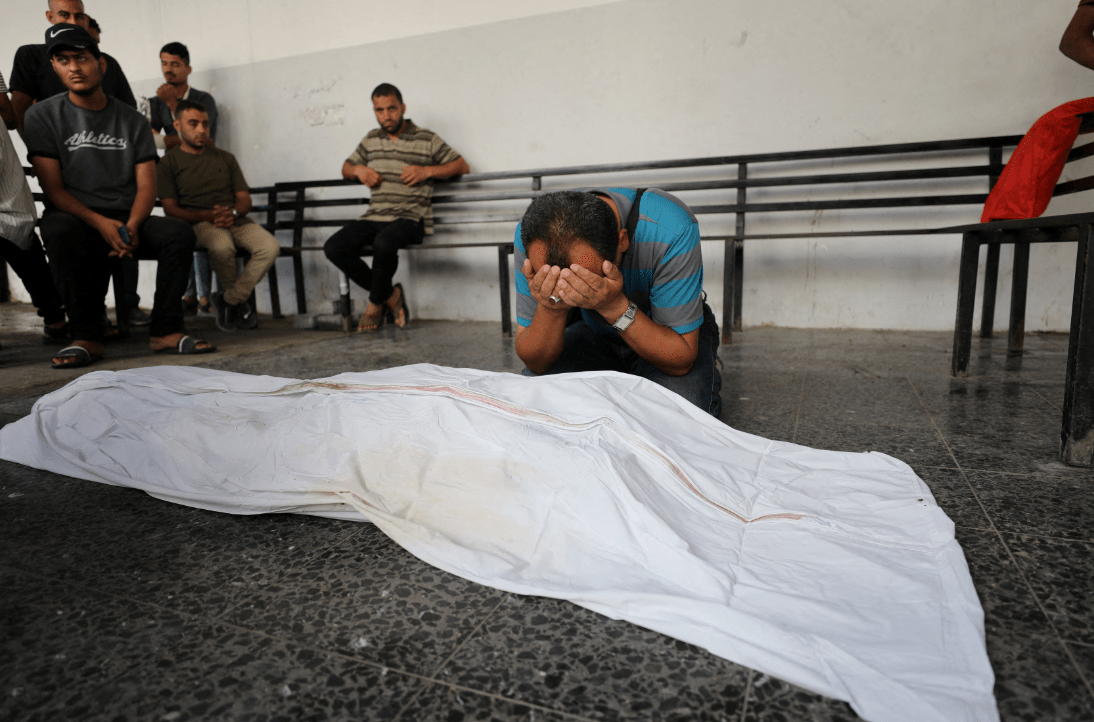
[398, 161]
[640, 293]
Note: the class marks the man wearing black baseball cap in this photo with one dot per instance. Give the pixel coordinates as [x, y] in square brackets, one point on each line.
[96, 162]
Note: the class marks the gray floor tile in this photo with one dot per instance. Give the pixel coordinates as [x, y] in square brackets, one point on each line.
[140, 661]
[772, 700]
[1039, 505]
[1060, 573]
[914, 445]
[955, 497]
[123, 541]
[1024, 692]
[1010, 609]
[451, 704]
[370, 599]
[560, 656]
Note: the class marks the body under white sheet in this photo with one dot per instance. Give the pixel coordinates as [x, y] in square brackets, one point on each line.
[834, 571]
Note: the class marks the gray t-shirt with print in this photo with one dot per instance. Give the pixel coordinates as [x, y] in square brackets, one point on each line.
[97, 149]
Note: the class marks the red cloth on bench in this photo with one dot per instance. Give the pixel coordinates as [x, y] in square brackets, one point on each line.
[1025, 186]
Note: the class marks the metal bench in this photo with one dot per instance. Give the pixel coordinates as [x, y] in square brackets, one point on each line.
[1077, 435]
[857, 180]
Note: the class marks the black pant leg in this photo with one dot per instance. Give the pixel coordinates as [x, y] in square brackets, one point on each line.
[343, 249]
[33, 270]
[171, 243]
[80, 266]
[130, 277]
[385, 254]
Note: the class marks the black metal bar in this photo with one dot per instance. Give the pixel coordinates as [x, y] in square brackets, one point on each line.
[271, 225]
[838, 204]
[1018, 281]
[729, 276]
[966, 301]
[1077, 432]
[714, 184]
[995, 164]
[821, 154]
[739, 253]
[991, 282]
[1074, 186]
[1080, 151]
[503, 285]
[298, 242]
[336, 202]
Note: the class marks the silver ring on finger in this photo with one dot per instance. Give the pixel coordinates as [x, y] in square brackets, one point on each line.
[555, 300]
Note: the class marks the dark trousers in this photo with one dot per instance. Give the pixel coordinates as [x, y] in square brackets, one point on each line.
[343, 249]
[588, 348]
[31, 267]
[78, 257]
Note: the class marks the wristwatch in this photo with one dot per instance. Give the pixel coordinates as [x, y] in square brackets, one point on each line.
[624, 322]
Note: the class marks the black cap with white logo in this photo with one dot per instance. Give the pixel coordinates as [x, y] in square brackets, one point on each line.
[65, 35]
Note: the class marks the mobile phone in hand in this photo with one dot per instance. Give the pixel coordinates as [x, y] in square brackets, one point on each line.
[124, 233]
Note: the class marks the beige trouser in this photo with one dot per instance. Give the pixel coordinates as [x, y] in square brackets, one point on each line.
[222, 243]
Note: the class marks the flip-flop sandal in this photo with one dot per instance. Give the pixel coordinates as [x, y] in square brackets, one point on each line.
[82, 355]
[402, 307]
[187, 345]
[376, 320]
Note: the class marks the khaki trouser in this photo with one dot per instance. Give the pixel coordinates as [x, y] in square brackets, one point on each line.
[222, 243]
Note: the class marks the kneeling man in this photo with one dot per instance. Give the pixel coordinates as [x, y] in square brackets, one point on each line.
[95, 160]
[203, 185]
[631, 261]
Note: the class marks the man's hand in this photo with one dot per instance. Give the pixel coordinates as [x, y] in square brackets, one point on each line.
[167, 94]
[578, 286]
[367, 176]
[543, 284]
[109, 230]
[414, 174]
[222, 217]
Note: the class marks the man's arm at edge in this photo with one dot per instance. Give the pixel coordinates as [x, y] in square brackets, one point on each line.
[1077, 42]
[20, 102]
[7, 113]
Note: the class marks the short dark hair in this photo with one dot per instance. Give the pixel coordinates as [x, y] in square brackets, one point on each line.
[189, 105]
[93, 24]
[558, 219]
[177, 49]
[387, 89]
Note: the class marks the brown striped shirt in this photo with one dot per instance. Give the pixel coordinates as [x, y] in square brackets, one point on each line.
[393, 199]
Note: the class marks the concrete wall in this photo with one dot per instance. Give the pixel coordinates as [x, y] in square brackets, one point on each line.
[511, 86]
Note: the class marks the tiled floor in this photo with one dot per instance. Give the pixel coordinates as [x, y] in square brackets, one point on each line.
[117, 606]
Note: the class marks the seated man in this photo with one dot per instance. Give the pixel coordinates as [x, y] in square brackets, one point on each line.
[399, 162]
[163, 109]
[203, 185]
[18, 244]
[635, 269]
[95, 161]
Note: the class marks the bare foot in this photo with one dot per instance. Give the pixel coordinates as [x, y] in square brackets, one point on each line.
[159, 343]
[94, 349]
[371, 319]
[397, 303]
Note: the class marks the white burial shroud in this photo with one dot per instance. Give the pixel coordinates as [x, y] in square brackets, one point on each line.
[834, 571]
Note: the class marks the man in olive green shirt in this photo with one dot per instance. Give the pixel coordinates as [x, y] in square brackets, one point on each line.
[203, 185]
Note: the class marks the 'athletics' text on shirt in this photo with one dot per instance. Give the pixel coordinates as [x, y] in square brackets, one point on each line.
[102, 141]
